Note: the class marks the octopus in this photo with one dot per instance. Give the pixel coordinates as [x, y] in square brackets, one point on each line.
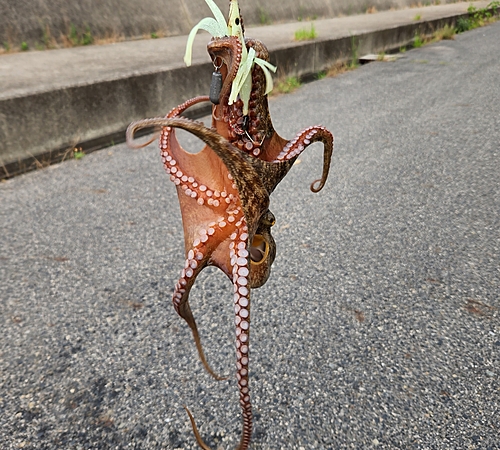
[224, 193]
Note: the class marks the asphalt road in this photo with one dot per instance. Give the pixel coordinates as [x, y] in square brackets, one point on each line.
[379, 327]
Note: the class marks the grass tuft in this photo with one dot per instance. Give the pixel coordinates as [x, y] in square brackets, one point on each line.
[306, 35]
[418, 41]
[448, 32]
[78, 153]
[287, 85]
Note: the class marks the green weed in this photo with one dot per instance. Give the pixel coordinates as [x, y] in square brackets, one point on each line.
[305, 35]
[288, 85]
[24, 46]
[76, 38]
[447, 32]
[154, 35]
[478, 17]
[78, 153]
[417, 17]
[73, 35]
[463, 24]
[87, 38]
[418, 41]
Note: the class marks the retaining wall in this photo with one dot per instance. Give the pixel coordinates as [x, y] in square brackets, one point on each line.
[42, 23]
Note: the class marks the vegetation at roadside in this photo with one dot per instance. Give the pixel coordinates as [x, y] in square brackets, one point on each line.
[305, 35]
[287, 85]
[78, 153]
[74, 37]
[478, 17]
[78, 38]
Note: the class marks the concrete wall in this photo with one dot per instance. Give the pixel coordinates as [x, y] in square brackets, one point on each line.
[39, 21]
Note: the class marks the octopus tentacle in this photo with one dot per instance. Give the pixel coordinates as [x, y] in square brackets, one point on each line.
[240, 262]
[305, 138]
[178, 110]
[195, 431]
[195, 262]
[191, 186]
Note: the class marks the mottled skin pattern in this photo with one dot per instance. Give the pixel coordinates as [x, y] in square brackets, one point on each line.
[224, 197]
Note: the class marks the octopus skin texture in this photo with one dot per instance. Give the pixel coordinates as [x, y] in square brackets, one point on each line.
[224, 192]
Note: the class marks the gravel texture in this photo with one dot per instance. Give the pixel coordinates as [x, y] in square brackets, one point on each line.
[380, 324]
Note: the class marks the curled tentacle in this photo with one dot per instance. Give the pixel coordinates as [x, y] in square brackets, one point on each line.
[195, 431]
[177, 111]
[305, 138]
[145, 144]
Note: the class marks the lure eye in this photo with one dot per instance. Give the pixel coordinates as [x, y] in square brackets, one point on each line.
[237, 21]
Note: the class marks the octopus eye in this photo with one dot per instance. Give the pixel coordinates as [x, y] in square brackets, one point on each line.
[269, 219]
[259, 249]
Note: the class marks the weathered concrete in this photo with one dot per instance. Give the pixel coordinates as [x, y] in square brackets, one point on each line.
[45, 20]
[52, 101]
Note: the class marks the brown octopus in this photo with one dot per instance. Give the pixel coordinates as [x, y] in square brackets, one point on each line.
[224, 194]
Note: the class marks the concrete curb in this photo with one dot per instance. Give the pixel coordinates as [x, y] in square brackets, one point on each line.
[49, 125]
